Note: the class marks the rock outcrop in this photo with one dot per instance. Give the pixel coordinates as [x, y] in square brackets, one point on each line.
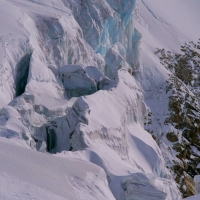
[181, 123]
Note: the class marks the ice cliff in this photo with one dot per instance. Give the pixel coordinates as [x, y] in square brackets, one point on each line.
[70, 85]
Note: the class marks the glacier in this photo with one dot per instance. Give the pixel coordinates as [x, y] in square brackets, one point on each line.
[76, 82]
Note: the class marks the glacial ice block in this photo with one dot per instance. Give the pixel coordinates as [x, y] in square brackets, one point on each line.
[76, 81]
[94, 73]
[115, 60]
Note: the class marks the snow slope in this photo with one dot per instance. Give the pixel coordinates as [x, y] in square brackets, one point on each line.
[79, 79]
[167, 25]
[27, 174]
[195, 197]
[163, 24]
[116, 140]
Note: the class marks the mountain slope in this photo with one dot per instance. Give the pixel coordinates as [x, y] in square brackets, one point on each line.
[80, 79]
[165, 27]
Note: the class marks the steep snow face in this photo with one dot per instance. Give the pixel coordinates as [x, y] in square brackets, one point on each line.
[167, 25]
[120, 132]
[79, 99]
[110, 134]
[164, 24]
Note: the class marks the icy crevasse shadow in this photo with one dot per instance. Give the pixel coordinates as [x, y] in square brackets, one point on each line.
[22, 71]
[51, 139]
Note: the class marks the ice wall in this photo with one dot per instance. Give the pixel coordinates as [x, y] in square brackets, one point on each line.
[57, 33]
[110, 22]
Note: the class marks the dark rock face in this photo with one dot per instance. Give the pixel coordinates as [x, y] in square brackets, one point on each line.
[22, 74]
[172, 137]
[189, 184]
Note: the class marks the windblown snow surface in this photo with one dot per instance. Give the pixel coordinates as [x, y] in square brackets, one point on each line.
[78, 79]
[195, 197]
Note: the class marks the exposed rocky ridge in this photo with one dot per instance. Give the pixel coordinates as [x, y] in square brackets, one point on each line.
[178, 137]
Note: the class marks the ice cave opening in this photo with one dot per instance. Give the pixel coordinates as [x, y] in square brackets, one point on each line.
[22, 71]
